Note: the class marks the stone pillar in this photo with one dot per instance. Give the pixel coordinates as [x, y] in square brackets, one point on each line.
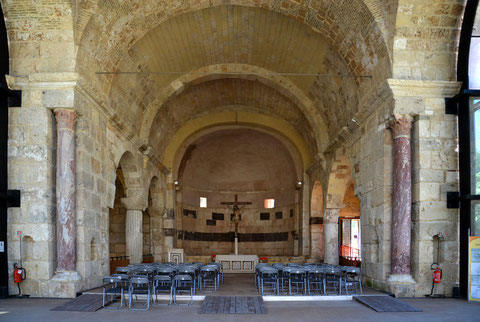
[65, 190]
[134, 228]
[401, 206]
[330, 219]
[305, 217]
[169, 221]
[134, 235]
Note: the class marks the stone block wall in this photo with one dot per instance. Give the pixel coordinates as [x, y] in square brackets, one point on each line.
[31, 159]
[435, 171]
[209, 231]
[93, 159]
[371, 158]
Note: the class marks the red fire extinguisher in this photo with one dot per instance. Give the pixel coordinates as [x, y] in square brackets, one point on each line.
[19, 274]
[437, 275]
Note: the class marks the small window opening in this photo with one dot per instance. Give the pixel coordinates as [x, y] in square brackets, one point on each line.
[203, 202]
[269, 203]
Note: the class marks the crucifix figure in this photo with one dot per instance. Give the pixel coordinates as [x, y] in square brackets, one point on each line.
[236, 215]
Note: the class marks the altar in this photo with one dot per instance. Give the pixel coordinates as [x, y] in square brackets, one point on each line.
[237, 263]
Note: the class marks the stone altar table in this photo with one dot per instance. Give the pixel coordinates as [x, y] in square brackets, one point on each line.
[238, 263]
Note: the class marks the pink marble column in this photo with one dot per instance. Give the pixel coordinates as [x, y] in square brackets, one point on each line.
[402, 196]
[66, 225]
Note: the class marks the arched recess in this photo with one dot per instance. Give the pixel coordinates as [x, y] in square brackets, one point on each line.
[237, 118]
[316, 222]
[117, 216]
[242, 161]
[342, 212]
[128, 184]
[350, 228]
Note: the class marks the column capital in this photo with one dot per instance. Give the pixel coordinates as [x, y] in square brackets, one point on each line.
[66, 118]
[401, 126]
[331, 215]
[134, 203]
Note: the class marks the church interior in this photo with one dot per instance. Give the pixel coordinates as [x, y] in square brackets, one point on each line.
[295, 131]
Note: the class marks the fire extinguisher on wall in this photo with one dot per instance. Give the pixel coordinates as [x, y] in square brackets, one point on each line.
[437, 274]
[19, 274]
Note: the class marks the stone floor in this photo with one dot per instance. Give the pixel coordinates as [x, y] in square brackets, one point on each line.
[433, 310]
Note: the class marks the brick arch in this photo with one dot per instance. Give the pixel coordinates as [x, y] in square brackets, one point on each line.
[225, 94]
[121, 25]
[338, 182]
[360, 47]
[281, 84]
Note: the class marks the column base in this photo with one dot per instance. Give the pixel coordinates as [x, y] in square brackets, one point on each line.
[64, 284]
[402, 285]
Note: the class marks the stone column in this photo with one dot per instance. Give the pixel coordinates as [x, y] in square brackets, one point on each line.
[134, 228]
[170, 222]
[330, 219]
[305, 216]
[65, 190]
[401, 202]
[134, 235]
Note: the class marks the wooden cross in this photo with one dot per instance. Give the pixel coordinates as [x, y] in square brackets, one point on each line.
[236, 210]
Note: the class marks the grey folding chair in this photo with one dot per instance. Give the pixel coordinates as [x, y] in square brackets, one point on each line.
[208, 277]
[269, 280]
[112, 289]
[139, 285]
[162, 284]
[183, 283]
[353, 278]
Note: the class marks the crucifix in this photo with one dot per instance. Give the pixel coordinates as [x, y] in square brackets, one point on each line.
[236, 215]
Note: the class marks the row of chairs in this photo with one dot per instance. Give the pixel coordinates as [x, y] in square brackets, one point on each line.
[296, 279]
[149, 280]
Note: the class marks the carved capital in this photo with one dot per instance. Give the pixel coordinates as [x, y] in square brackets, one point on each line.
[401, 127]
[66, 119]
[330, 216]
[134, 203]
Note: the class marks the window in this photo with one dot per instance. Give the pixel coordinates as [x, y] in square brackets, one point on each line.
[203, 202]
[269, 203]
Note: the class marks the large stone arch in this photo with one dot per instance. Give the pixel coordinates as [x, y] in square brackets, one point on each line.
[228, 118]
[268, 77]
[186, 145]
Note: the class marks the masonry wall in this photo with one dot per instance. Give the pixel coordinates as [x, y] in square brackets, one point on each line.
[435, 171]
[31, 159]
[262, 232]
[371, 157]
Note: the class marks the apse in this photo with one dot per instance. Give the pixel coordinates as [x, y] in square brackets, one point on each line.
[255, 166]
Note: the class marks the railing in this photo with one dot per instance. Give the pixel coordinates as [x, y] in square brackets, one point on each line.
[118, 261]
[350, 256]
[347, 251]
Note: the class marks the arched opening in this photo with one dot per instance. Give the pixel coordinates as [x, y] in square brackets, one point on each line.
[316, 222]
[349, 229]
[117, 215]
[241, 163]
